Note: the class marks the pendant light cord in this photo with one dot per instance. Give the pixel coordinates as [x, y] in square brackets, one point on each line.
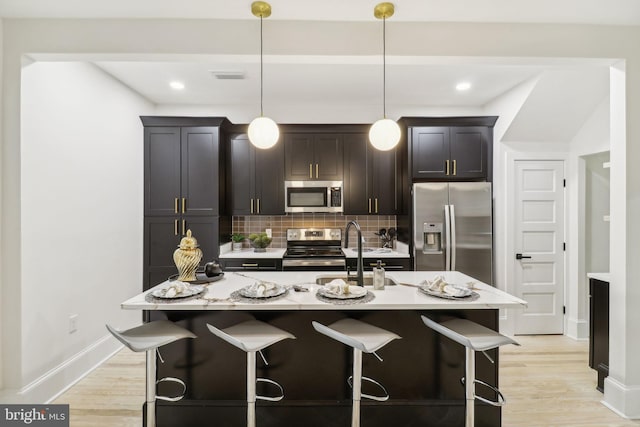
[261, 72]
[384, 68]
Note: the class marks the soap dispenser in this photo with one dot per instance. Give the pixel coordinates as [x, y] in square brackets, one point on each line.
[378, 276]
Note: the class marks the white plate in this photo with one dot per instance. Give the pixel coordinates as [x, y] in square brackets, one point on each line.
[462, 292]
[189, 292]
[354, 292]
[251, 292]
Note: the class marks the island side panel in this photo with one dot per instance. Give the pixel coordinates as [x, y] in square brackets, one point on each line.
[421, 371]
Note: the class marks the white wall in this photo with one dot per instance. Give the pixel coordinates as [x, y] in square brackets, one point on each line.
[82, 228]
[1, 198]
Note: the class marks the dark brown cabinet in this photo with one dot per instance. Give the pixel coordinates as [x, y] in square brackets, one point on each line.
[450, 152]
[184, 187]
[162, 237]
[599, 329]
[256, 178]
[313, 156]
[181, 170]
[251, 264]
[371, 178]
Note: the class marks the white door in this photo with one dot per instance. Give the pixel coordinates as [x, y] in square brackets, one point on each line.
[539, 246]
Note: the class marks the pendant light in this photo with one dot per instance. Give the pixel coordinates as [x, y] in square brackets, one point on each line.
[384, 133]
[263, 132]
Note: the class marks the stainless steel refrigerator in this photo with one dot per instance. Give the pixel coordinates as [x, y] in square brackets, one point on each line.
[453, 228]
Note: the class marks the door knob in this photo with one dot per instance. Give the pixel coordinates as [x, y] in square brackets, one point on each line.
[520, 256]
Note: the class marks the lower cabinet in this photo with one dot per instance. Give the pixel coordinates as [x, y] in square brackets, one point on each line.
[389, 264]
[162, 236]
[251, 264]
[599, 329]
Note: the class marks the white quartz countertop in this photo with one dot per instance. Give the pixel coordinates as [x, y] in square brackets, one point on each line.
[605, 277]
[399, 297]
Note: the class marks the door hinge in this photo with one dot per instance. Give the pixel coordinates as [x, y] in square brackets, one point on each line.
[564, 182]
[564, 246]
[564, 309]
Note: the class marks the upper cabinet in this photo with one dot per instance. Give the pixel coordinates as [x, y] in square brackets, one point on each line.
[182, 167]
[457, 148]
[256, 178]
[371, 178]
[313, 156]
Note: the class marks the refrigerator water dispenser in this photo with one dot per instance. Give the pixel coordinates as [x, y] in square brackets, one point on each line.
[432, 237]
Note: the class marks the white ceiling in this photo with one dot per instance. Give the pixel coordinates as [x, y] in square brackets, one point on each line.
[354, 83]
[616, 12]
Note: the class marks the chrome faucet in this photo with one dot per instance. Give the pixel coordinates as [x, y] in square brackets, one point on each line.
[359, 267]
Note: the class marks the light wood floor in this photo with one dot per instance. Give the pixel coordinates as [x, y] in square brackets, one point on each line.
[547, 383]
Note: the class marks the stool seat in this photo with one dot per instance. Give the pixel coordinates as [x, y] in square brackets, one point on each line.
[150, 335]
[357, 334]
[473, 337]
[363, 338]
[252, 335]
[147, 338]
[469, 334]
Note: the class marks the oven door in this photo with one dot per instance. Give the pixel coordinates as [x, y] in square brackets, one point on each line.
[314, 264]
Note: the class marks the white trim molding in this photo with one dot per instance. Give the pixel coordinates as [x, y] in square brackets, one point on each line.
[623, 400]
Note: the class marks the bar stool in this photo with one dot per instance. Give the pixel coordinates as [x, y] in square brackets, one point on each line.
[253, 336]
[363, 337]
[473, 337]
[148, 337]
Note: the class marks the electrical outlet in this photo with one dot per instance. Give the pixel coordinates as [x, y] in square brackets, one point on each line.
[268, 232]
[73, 323]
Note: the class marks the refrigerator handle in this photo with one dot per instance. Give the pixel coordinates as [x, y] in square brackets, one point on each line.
[447, 239]
[453, 237]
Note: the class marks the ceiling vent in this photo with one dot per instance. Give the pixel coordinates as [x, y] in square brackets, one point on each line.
[228, 75]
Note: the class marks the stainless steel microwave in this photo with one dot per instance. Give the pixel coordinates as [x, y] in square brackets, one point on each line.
[313, 196]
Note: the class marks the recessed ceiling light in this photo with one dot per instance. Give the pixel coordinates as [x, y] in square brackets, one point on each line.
[177, 85]
[463, 86]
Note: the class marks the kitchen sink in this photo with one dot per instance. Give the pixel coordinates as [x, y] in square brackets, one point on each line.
[368, 280]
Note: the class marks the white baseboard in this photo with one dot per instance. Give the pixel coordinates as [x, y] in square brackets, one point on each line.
[578, 329]
[59, 379]
[621, 399]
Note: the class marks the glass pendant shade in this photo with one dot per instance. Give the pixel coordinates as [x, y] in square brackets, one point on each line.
[384, 134]
[263, 132]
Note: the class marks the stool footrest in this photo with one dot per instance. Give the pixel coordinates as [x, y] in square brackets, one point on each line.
[172, 380]
[270, 398]
[501, 400]
[369, 396]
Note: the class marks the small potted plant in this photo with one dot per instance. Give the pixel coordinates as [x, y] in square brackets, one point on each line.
[237, 239]
[259, 241]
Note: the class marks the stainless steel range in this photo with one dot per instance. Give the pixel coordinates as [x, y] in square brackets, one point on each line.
[314, 249]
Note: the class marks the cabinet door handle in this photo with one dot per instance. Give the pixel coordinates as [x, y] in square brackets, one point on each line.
[251, 205]
[184, 227]
[316, 171]
[373, 264]
[258, 205]
[455, 168]
[175, 205]
[369, 205]
[249, 265]
[310, 170]
[376, 205]
[184, 205]
[446, 162]
[175, 226]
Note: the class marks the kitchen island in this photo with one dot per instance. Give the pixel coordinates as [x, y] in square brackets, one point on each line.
[421, 372]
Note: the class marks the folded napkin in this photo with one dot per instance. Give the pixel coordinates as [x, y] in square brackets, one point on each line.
[261, 288]
[337, 287]
[176, 288]
[438, 284]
